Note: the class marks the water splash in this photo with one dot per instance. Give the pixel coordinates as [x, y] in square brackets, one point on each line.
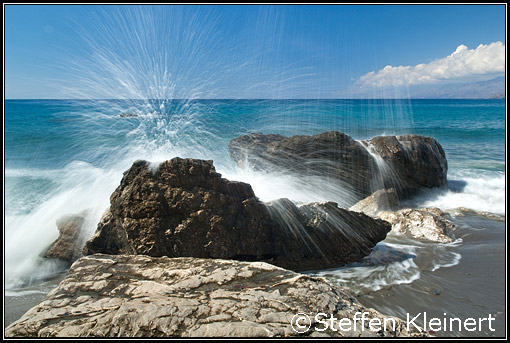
[397, 260]
[384, 175]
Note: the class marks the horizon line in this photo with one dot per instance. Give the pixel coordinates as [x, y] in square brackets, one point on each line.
[176, 99]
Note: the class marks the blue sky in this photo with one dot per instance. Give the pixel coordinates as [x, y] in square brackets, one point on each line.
[245, 51]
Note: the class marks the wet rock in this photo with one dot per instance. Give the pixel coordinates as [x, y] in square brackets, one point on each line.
[414, 162]
[141, 296]
[322, 234]
[184, 208]
[408, 163]
[381, 200]
[426, 223]
[332, 154]
[69, 244]
[128, 115]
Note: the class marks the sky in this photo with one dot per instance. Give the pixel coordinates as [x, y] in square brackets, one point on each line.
[246, 51]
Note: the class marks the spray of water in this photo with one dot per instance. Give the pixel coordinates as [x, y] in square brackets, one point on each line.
[156, 62]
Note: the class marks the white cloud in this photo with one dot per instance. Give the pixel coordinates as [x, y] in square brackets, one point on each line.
[463, 62]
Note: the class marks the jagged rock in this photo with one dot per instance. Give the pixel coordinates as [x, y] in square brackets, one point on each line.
[141, 296]
[382, 200]
[68, 245]
[407, 163]
[424, 223]
[184, 208]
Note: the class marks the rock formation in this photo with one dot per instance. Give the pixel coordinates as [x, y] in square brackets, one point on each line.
[321, 235]
[382, 200]
[415, 163]
[424, 223]
[331, 154]
[184, 208]
[68, 245]
[141, 296]
[407, 163]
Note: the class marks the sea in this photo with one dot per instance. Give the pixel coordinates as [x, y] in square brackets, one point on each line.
[68, 156]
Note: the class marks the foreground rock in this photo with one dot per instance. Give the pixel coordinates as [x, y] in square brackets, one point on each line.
[69, 243]
[425, 223]
[140, 296]
[408, 163]
[184, 208]
[382, 200]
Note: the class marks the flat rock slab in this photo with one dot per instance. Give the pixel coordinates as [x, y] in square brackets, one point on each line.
[141, 296]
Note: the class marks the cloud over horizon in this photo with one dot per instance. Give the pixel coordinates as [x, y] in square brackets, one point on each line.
[462, 63]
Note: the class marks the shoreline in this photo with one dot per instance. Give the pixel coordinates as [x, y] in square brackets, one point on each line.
[473, 288]
[447, 290]
[15, 306]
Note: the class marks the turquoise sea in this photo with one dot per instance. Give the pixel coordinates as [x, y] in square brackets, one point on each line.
[68, 156]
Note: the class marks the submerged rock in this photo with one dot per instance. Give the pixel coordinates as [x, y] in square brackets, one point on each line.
[425, 223]
[141, 296]
[382, 200]
[461, 211]
[68, 245]
[128, 115]
[408, 163]
[184, 208]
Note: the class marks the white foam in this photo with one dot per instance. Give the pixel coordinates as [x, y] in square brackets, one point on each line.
[82, 188]
[483, 191]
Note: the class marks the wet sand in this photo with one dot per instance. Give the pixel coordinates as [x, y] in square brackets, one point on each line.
[474, 288]
[18, 302]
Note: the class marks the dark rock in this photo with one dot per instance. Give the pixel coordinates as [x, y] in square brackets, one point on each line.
[416, 162]
[184, 208]
[68, 245]
[407, 163]
[332, 154]
[128, 115]
[323, 235]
